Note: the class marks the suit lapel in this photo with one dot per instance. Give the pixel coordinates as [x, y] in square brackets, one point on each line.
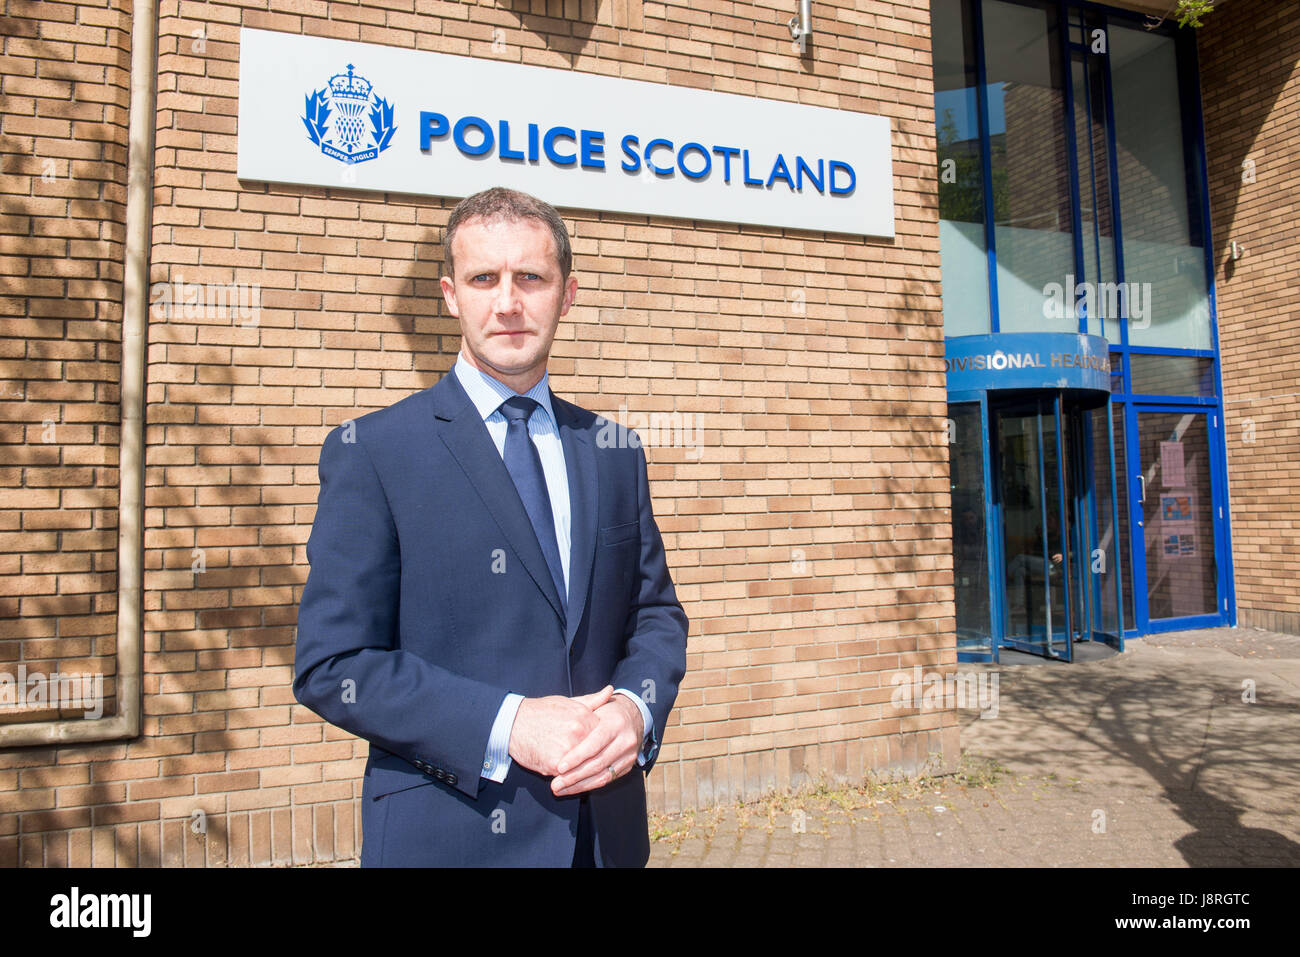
[467, 438]
[580, 465]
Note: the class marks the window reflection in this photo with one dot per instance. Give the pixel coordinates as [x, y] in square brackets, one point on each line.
[962, 245]
[1033, 226]
[1159, 210]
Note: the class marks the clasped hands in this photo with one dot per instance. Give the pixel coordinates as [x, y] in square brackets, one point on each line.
[577, 741]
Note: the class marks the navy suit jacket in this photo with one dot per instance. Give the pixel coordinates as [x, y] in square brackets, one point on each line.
[428, 600]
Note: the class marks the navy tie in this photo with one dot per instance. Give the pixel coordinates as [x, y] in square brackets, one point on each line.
[525, 467]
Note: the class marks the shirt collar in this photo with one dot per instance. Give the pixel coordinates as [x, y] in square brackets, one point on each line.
[487, 393]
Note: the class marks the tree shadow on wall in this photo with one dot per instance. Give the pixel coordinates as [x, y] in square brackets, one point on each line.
[1250, 104]
[64, 213]
[232, 456]
[564, 26]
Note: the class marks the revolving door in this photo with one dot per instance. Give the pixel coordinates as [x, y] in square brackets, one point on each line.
[1035, 536]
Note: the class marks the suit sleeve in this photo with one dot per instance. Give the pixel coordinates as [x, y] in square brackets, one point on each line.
[655, 649]
[349, 667]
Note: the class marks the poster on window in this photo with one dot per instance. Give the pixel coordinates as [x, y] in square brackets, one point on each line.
[1172, 471]
[1178, 524]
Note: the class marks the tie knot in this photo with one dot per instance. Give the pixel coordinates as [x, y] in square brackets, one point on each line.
[518, 408]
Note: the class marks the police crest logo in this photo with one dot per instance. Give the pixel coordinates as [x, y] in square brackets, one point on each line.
[348, 120]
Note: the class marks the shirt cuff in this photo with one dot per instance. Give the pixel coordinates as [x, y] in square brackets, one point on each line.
[650, 743]
[496, 760]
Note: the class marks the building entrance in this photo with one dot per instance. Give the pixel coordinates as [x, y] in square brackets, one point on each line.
[1077, 522]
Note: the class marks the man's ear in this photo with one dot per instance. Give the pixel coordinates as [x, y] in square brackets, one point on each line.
[570, 293]
[449, 294]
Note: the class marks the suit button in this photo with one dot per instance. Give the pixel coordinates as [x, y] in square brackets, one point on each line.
[451, 779]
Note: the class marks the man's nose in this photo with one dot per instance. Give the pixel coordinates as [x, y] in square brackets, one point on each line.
[507, 297]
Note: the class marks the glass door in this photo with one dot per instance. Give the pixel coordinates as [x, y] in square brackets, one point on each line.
[1037, 559]
[1177, 514]
[1080, 508]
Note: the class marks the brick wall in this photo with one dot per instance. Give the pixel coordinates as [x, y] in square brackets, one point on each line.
[62, 232]
[1250, 69]
[809, 539]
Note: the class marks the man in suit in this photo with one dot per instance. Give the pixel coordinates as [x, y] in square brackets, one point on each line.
[489, 603]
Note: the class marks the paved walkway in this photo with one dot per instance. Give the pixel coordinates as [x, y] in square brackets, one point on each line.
[1183, 751]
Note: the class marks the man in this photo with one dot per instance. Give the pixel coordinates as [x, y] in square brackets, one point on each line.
[489, 603]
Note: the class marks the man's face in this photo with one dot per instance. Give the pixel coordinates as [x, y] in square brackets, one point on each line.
[509, 296]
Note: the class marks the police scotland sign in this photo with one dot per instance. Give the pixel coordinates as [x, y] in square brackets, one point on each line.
[325, 112]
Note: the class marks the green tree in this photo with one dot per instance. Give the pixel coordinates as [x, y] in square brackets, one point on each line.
[1188, 12]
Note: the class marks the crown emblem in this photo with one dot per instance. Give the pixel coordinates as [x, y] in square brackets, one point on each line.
[350, 87]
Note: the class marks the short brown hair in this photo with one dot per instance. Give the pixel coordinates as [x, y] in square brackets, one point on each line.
[499, 203]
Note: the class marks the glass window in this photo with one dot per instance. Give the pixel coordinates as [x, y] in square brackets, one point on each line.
[970, 573]
[962, 246]
[1172, 375]
[1163, 242]
[1033, 226]
[1096, 222]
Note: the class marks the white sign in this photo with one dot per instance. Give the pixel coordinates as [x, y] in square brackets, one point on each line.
[327, 112]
